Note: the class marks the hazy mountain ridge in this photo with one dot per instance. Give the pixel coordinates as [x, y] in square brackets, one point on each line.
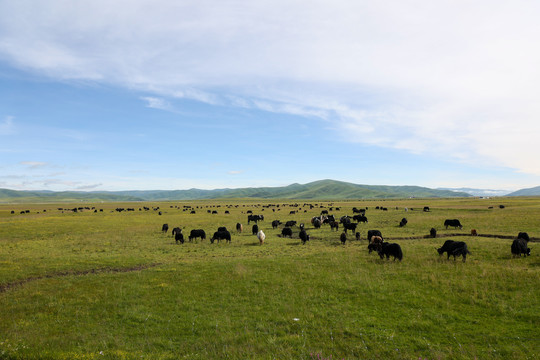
[479, 192]
[534, 191]
[322, 190]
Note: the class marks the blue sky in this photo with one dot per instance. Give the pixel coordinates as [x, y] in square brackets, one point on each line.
[209, 94]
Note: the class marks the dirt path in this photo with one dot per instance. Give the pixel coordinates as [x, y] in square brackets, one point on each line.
[459, 234]
[11, 285]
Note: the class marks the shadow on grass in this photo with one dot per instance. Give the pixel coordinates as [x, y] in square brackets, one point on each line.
[253, 244]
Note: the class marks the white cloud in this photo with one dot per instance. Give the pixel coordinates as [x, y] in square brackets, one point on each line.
[458, 79]
[234, 172]
[89, 187]
[194, 94]
[34, 164]
[156, 103]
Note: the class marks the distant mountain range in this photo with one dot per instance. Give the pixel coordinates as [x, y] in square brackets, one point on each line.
[321, 190]
[318, 190]
[535, 191]
[479, 192]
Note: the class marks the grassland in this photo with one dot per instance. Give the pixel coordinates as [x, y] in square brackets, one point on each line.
[110, 285]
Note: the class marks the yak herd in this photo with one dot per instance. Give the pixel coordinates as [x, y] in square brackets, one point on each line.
[375, 239]
[348, 223]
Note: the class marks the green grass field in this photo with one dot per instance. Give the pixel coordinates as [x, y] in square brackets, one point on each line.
[111, 285]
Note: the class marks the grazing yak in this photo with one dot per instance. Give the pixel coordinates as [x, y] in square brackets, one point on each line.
[290, 223]
[255, 218]
[519, 246]
[221, 235]
[372, 233]
[287, 231]
[349, 226]
[196, 233]
[165, 228]
[334, 225]
[303, 236]
[343, 237]
[239, 228]
[176, 230]
[524, 236]
[328, 219]
[317, 223]
[360, 218]
[433, 233]
[376, 240]
[346, 219]
[452, 222]
[390, 249]
[474, 232]
[374, 246]
[403, 222]
[179, 237]
[275, 224]
[255, 229]
[261, 236]
[455, 248]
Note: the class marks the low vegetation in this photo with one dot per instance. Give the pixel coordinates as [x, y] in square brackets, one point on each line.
[106, 284]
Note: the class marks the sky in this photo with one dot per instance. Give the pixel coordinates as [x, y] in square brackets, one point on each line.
[179, 94]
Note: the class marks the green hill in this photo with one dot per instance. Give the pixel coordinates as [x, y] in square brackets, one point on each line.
[14, 196]
[535, 191]
[322, 190]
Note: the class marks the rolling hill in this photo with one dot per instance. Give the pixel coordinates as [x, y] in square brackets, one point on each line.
[321, 190]
[535, 191]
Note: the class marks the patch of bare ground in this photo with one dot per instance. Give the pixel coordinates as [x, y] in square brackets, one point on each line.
[11, 285]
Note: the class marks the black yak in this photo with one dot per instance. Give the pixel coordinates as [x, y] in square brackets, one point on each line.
[519, 246]
[221, 235]
[455, 248]
[343, 238]
[287, 231]
[452, 222]
[390, 249]
[195, 233]
[303, 236]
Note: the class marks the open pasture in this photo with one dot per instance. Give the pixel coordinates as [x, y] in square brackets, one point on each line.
[111, 285]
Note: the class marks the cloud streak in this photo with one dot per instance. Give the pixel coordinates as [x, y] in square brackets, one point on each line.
[418, 76]
[156, 103]
[34, 164]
